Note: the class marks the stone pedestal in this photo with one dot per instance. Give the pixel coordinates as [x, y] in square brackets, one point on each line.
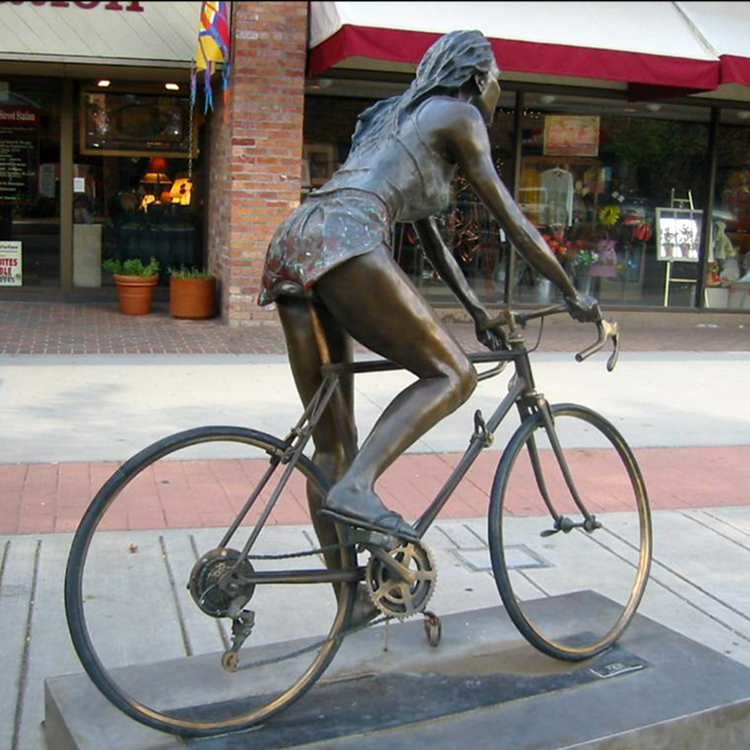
[484, 687]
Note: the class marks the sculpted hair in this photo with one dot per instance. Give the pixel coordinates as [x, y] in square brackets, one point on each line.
[445, 67]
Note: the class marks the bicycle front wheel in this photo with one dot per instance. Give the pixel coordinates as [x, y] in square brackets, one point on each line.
[146, 615]
[542, 547]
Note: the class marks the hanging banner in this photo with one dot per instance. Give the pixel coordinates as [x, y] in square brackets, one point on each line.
[11, 264]
[214, 42]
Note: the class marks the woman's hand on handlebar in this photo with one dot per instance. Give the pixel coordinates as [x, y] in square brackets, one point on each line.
[583, 308]
[493, 338]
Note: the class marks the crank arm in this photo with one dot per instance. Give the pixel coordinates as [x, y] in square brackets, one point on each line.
[400, 571]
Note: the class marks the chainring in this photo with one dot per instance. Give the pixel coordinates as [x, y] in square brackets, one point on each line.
[394, 596]
[204, 582]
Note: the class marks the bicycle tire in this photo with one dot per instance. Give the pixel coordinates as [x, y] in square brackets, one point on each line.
[528, 524]
[183, 721]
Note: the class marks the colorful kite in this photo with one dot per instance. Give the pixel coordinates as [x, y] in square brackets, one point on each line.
[214, 41]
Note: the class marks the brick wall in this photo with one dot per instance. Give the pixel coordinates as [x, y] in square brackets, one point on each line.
[255, 150]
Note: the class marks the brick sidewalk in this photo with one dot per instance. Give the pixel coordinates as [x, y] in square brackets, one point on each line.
[32, 327]
[42, 498]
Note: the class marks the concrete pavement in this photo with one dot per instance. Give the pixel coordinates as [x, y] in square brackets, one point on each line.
[105, 408]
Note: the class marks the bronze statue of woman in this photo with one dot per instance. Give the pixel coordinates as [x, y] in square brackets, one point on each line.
[330, 268]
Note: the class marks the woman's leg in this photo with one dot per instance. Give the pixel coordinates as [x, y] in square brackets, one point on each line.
[335, 436]
[376, 303]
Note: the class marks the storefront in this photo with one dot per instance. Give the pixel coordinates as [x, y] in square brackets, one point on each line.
[618, 131]
[99, 151]
[616, 163]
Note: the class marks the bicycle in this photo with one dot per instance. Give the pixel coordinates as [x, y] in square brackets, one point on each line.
[399, 576]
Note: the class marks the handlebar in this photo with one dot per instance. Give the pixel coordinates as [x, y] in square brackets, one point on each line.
[606, 329]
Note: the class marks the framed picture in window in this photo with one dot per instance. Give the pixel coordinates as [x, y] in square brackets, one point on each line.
[119, 124]
[678, 234]
[320, 158]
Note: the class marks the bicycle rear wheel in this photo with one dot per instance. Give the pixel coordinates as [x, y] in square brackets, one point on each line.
[144, 610]
[530, 563]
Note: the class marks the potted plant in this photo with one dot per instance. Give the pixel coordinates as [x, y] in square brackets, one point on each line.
[192, 293]
[135, 283]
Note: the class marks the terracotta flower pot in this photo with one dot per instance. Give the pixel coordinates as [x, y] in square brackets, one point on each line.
[192, 298]
[136, 293]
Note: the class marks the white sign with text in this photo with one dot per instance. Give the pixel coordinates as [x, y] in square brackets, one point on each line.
[11, 264]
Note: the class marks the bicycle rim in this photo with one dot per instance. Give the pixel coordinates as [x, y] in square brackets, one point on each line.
[127, 566]
[535, 570]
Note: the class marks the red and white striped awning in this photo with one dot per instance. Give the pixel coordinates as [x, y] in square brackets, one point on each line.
[689, 45]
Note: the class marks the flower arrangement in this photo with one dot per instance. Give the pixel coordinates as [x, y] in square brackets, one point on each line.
[561, 247]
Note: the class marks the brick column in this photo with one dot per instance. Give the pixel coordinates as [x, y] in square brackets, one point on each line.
[255, 150]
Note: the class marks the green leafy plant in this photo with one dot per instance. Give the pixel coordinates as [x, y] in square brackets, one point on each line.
[586, 258]
[188, 272]
[131, 267]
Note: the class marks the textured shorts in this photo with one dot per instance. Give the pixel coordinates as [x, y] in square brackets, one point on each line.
[325, 231]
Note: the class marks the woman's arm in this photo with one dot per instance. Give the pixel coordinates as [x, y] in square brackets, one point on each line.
[444, 263]
[464, 135]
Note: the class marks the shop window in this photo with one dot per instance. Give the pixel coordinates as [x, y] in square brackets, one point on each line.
[136, 193]
[29, 182]
[728, 262]
[596, 177]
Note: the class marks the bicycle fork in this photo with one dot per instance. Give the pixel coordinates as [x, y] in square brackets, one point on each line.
[561, 522]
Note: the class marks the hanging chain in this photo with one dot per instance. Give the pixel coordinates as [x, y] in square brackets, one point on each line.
[191, 117]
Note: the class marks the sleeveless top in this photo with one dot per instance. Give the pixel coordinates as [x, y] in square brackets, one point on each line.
[407, 174]
[401, 179]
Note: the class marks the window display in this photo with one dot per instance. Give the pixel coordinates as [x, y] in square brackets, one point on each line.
[728, 268]
[593, 173]
[140, 205]
[592, 178]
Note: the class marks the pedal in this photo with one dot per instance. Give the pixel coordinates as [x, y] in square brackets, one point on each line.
[366, 538]
[433, 628]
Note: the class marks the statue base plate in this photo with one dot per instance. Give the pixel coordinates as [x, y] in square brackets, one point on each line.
[482, 687]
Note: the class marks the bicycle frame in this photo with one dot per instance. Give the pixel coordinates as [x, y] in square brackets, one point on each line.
[521, 393]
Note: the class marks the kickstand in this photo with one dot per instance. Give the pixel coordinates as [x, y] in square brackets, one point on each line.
[386, 634]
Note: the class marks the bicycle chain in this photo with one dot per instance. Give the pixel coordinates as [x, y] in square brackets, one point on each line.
[290, 555]
[318, 644]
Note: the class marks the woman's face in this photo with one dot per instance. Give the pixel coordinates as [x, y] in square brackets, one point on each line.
[489, 93]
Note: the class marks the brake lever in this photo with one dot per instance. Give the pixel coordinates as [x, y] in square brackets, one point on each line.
[615, 336]
[607, 329]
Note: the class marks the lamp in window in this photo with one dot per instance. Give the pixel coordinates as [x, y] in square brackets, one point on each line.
[156, 181]
[156, 175]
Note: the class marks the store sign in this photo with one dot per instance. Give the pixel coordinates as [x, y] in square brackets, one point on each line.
[19, 153]
[11, 264]
[571, 135]
[133, 7]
